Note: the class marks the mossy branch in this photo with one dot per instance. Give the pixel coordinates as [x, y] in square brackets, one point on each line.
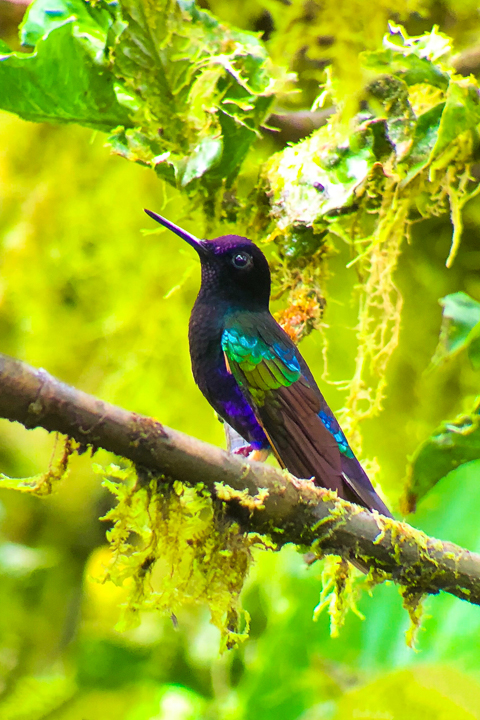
[290, 510]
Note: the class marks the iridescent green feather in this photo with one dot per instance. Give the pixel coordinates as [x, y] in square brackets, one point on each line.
[258, 366]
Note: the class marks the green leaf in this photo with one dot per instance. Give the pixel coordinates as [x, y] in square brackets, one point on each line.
[452, 444]
[205, 156]
[460, 328]
[424, 139]
[61, 82]
[461, 113]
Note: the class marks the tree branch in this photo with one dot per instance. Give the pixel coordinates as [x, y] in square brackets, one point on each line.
[293, 510]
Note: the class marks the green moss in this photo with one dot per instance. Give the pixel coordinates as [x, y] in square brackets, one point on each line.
[173, 546]
[330, 522]
[338, 594]
[46, 482]
[226, 493]
[413, 604]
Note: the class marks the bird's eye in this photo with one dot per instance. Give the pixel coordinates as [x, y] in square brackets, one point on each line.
[242, 260]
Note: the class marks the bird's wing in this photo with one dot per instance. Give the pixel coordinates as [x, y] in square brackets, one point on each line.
[266, 367]
[302, 430]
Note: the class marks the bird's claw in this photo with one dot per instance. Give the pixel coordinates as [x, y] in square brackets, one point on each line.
[244, 451]
[248, 451]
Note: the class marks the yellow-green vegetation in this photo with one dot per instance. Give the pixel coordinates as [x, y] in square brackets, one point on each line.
[358, 221]
[338, 594]
[173, 548]
[44, 483]
[409, 157]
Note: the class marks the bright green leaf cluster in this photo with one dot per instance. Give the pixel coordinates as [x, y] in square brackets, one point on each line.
[177, 90]
[203, 90]
[455, 442]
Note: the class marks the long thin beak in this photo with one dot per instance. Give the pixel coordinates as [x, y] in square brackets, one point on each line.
[199, 245]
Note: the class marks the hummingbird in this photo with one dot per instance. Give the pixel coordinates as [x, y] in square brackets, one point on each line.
[254, 376]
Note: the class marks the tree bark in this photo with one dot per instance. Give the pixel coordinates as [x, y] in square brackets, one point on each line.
[289, 510]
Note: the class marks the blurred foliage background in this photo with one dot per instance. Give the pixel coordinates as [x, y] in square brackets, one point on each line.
[88, 294]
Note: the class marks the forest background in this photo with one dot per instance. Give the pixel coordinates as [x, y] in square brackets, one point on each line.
[89, 292]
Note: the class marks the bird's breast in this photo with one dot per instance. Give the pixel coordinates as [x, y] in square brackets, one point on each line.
[205, 340]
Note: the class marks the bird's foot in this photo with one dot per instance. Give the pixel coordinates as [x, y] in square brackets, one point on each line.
[244, 450]
[248, 451]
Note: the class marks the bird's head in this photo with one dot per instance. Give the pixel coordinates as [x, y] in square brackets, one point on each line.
[233, 268]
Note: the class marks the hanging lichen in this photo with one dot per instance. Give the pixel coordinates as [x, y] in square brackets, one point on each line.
[413, 604]
[338, 594]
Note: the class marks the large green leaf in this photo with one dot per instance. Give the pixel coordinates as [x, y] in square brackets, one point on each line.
[454, 443]
[64, 80]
